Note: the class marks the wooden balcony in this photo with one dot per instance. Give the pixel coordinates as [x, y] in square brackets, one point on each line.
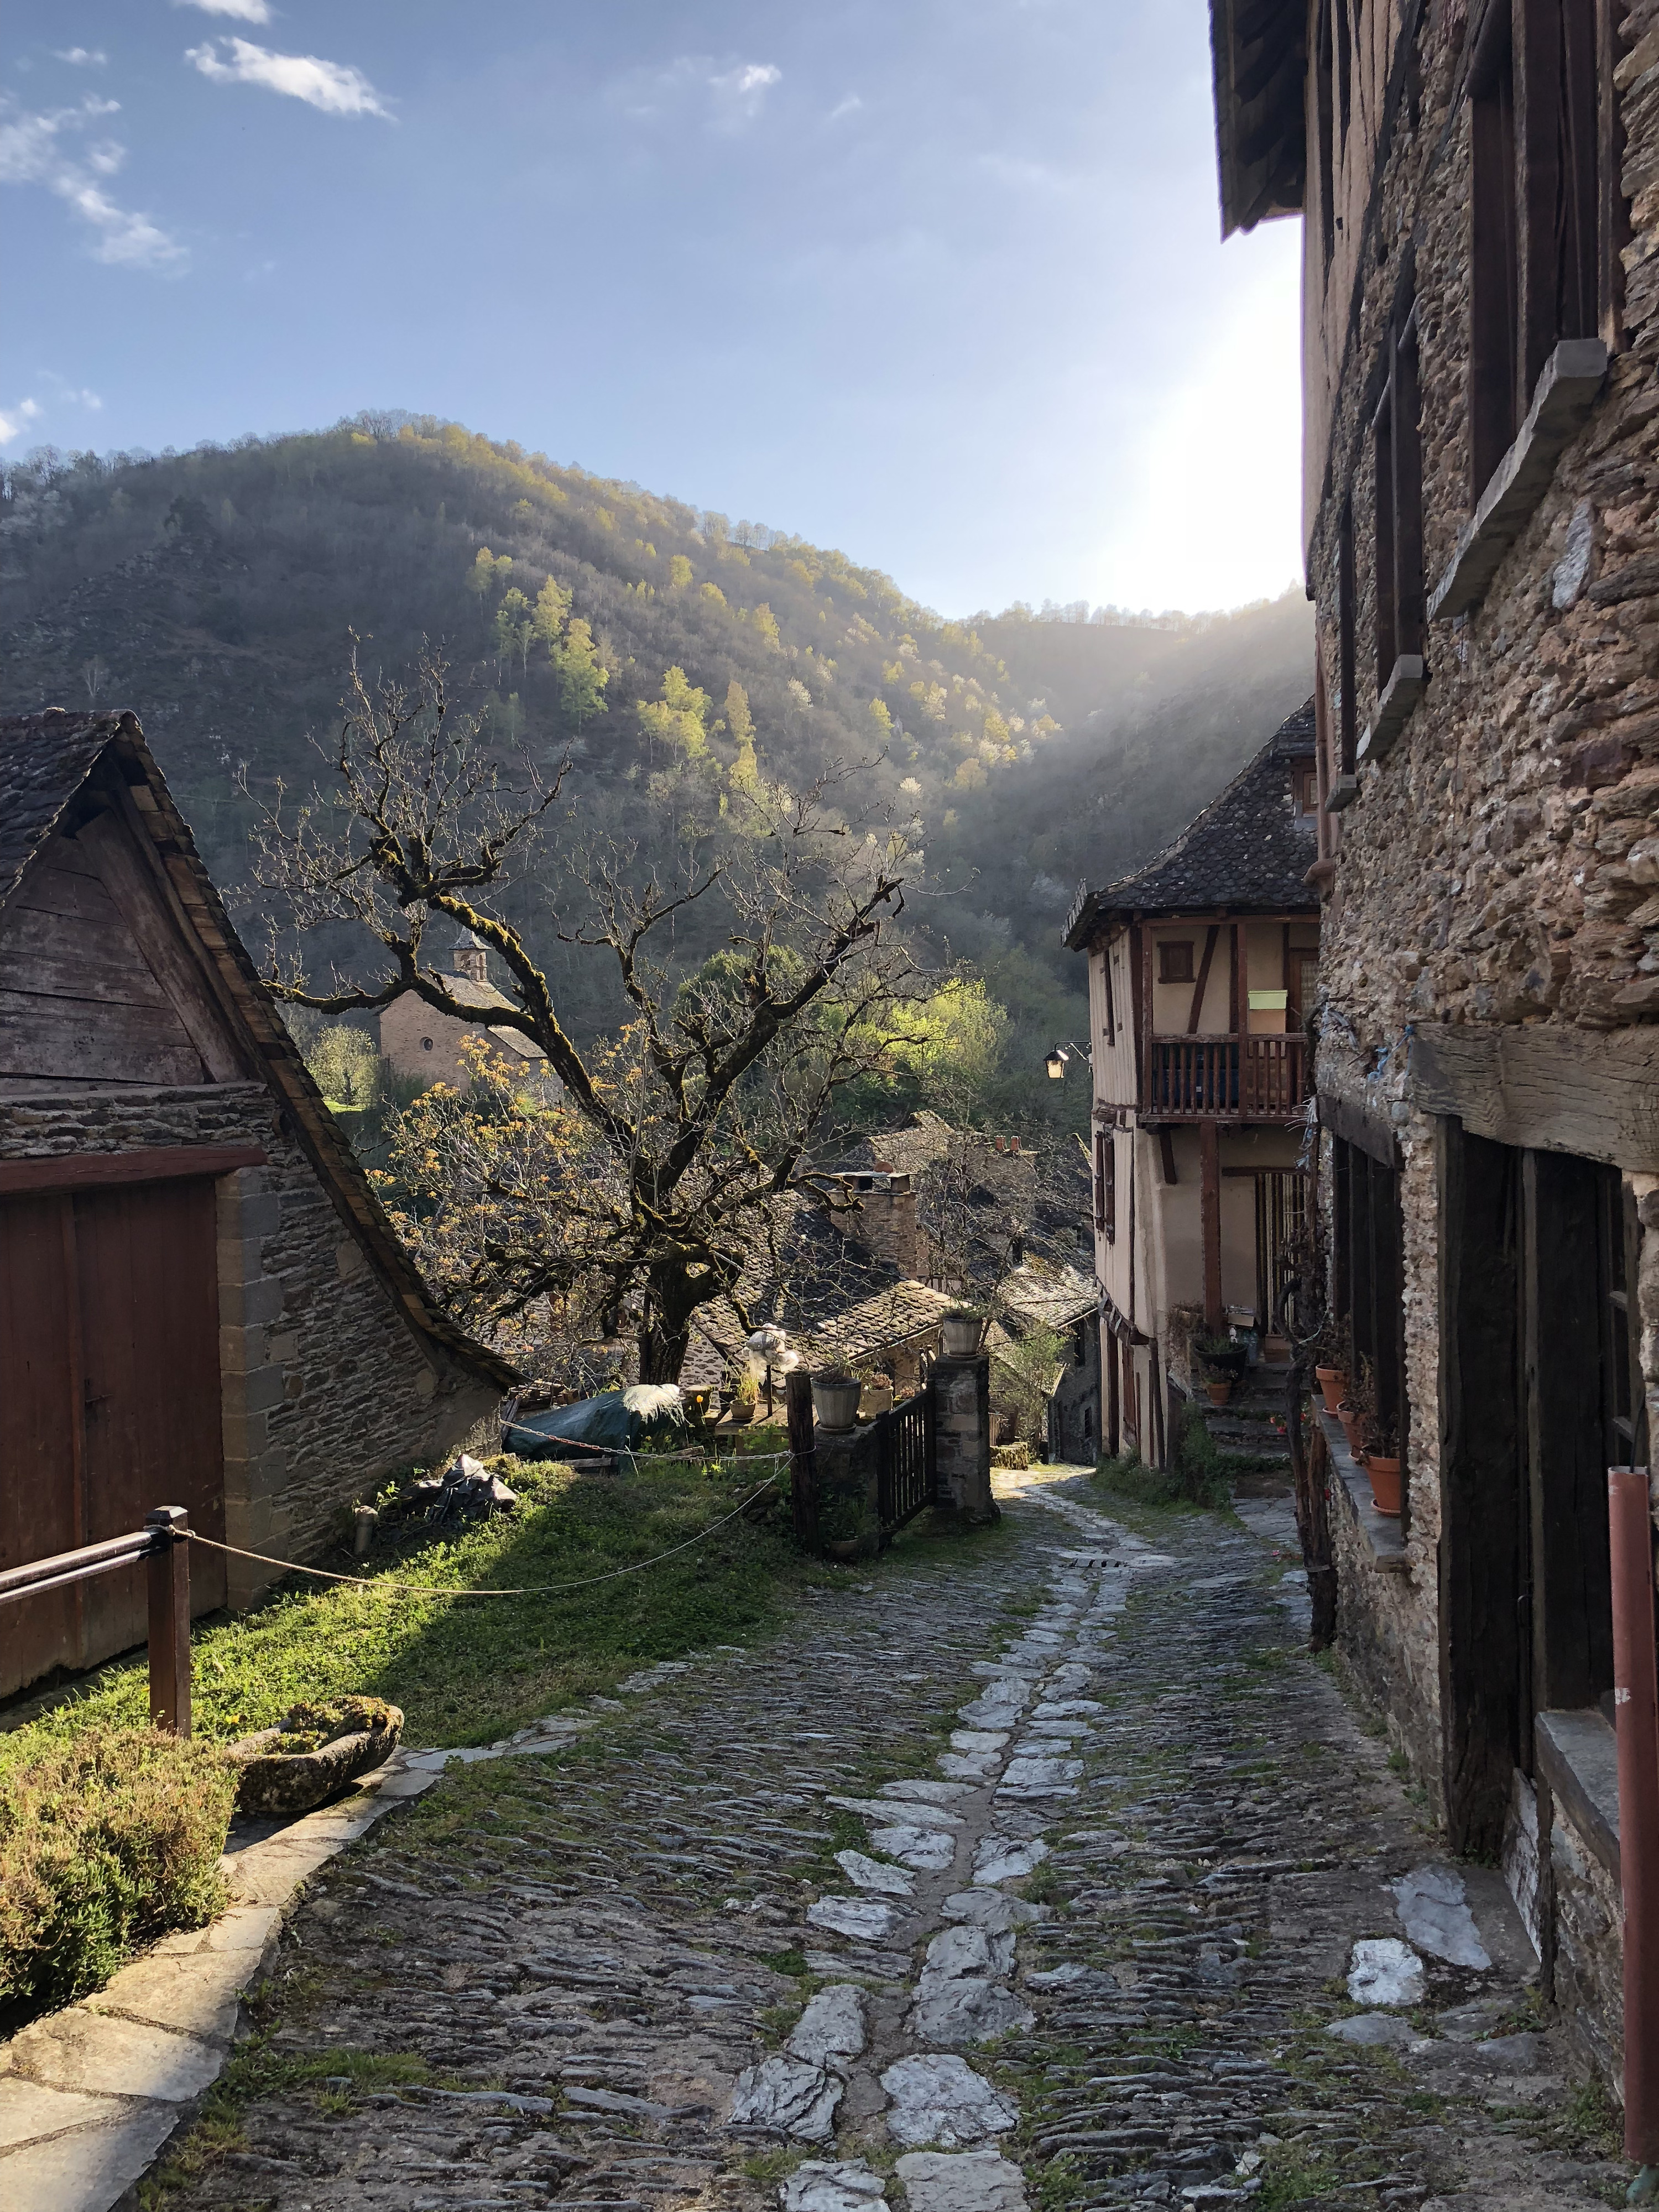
[1225, 1078]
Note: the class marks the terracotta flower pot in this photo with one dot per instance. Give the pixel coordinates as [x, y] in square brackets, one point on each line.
[1333, 1386]
[1219, 1392]
[1385, 1481]
[1352, 1426]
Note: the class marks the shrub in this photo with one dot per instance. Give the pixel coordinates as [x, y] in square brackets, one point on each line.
[1197, 1473]
[105, 1842]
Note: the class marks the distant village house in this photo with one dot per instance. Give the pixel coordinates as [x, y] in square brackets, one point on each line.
[426, 1047]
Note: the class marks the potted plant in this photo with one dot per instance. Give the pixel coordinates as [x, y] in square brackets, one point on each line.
[745, 1399]
[1335, 1349]
[835, 1397]
[961, 1330]
[1380, 1461]
[1224, 1363]
[1357, 1411]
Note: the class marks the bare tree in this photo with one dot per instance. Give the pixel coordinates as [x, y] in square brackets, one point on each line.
[674, 1141]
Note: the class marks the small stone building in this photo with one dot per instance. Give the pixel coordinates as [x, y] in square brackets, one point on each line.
[1479, 188]
[1201, 971]
[202, 1302]
[424, 1046]
[1037, 1294]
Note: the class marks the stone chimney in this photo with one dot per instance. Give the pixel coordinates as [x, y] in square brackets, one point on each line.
[471, 959]
[885, 1223]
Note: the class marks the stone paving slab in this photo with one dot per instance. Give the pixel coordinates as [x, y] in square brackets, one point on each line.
[601, 1947]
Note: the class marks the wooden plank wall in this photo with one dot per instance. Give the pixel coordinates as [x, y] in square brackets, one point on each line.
[96, 989]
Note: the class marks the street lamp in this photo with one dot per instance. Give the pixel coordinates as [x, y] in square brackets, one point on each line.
[1056, 1060]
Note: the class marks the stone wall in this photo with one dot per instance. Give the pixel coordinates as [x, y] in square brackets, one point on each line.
[961, 1394]
[327, 1389]
[1500, 865]
[1590, 1984]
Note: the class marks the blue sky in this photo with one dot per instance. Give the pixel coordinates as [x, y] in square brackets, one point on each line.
[938, 281]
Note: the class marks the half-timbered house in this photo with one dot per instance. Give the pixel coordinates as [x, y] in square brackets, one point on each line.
[1201, 964]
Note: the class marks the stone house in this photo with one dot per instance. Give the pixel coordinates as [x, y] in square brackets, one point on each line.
[425, 1047]
[1201, 972]
[1479, 186]
[202, 1302]
[1037, 1294]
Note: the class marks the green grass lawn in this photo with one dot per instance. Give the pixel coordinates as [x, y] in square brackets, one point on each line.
[469, 1670]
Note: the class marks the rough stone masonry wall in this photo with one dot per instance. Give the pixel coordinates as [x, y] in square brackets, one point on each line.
[327, 1389]
[1502, 864]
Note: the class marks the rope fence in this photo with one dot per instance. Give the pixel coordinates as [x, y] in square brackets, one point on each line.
[447, 1589]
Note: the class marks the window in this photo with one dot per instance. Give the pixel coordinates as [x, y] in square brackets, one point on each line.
[426, 1044]
[1346, 733]
[1399, 503]
[1304, 786]
[1174, 961]
[1367, 1255]
[1544, 208]
[1536, 1266]
[1324, 92]
[1344, 64]
[1105, 1184]
[1111, 1010]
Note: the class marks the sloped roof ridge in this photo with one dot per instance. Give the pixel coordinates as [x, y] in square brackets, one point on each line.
[65, 748]
[1244, 849]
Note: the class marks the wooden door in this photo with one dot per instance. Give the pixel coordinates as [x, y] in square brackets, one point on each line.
[109, 1403]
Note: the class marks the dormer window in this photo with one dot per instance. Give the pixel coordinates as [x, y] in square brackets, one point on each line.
[1175, 960]
[1305, 787]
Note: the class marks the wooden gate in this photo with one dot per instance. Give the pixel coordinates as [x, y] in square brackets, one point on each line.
[904, 1463]
[110, 1402]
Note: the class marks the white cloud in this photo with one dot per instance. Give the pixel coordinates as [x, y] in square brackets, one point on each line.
[31, 154]
[332, 86]
[242, 11]
[733, 94]
[15, 420]
[68, 395]
[740, 93]
[850, 106]
[81, 56]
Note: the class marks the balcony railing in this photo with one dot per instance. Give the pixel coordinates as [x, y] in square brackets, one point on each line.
[1250, 1078]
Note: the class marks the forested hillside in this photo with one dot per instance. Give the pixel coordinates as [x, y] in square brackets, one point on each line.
[671, 651]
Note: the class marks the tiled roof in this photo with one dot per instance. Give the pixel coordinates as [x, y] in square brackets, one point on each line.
[899, 1315]
[1248, 850]
[1056, 1297]
[483, 996]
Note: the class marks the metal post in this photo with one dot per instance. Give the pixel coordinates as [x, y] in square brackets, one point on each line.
[169, 1619]
[1636, 1704]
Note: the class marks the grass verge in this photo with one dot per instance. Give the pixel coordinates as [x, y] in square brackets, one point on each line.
[470, 1670]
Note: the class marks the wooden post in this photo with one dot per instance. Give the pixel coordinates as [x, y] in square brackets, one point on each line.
[1209, 1158]
[803, 1458]
[169, 1619]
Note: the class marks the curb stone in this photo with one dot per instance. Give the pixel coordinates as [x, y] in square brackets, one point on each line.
[91, 2095]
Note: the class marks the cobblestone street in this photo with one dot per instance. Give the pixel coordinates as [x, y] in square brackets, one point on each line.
[1024, 1869]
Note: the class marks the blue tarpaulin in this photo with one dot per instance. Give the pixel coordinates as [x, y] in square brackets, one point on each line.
[616, 1421]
